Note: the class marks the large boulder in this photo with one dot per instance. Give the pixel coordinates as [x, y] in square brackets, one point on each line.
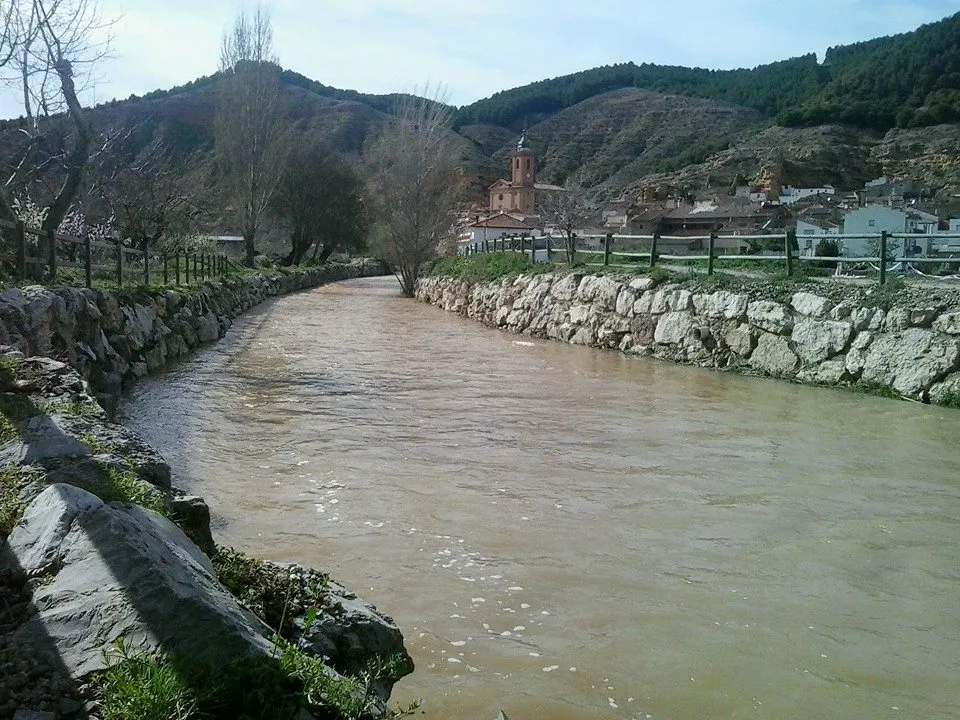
[112, 570]
[910, 361]
[819, 340]
[770, 316]
[773, 356]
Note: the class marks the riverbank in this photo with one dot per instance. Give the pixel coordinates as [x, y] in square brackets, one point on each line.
[115, 596]
[113, 338]
[897, 341]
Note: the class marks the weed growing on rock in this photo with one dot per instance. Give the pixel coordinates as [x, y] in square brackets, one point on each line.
[151, 687]
[268, 590]
[950, 398]
[143, 687]
[78, 409]
[12, 482]
[877, 389]
[125, 486]
[96, 445]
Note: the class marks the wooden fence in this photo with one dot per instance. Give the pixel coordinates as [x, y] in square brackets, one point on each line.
[107, 259]
[886, 242]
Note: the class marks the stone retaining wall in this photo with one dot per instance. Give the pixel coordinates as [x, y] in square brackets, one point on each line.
[915, 351]
[112, 337]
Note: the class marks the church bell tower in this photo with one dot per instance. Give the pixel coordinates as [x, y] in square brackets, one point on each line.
[524, 164]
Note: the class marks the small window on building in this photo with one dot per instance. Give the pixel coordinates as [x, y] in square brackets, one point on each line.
[501, 196]
[872, 223]
[528, 163]
[518, 163]
[806, 232]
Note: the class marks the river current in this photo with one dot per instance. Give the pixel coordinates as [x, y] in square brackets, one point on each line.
[571, 534]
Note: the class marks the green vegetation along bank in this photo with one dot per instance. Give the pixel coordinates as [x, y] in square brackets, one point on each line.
[896, 340]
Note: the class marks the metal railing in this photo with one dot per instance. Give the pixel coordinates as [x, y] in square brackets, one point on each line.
[48, 252]
[883, 261]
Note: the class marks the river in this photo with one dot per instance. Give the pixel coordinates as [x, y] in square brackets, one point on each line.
[572, 534]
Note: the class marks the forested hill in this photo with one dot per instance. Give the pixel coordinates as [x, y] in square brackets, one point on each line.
[907, 80]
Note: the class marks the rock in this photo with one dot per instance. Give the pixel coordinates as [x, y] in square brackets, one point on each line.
[811, 305]
[857, 356]
[566, 287]
[773, 356]
[643, 284]
[948, 323]
[770, 316]
[625, 301]
[123, 570]
[740, 340]
[193, 516]
[830, 372]
[672, 329]
[33, 715]
[947, 391]
[580, 314]
[816, 340]
[599, 289]
[910, 361]
[721, 304]
[922, 317]
[43, 439]
[867, 318]
[208, 329]
[348, 631]
[897, 319]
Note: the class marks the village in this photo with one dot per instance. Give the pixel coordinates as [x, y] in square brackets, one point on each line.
[825, 220]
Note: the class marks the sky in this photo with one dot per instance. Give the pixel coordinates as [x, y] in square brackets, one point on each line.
[474, 48]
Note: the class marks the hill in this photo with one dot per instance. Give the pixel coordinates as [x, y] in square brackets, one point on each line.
[887, 106]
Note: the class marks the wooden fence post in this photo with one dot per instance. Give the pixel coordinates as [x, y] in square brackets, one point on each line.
[533, 250]
[607, 239]
[119, 262]
[166, 273]
[653, 249]
[87, 260]
[52, 253]
[146, 265]
[195, 276]
[883, 257]
[710, 246]
[549, 250]
[789, 240]
[176, 267]
[186, 267]
[21, 238]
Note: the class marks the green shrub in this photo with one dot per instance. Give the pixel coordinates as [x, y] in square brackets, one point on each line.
[119, 485]
[485, 267]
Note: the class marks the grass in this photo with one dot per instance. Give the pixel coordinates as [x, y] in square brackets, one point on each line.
[97, 446]
[265, 589]
[877, 389]
[78, 409]
[951, 398]
[12, 482]
[150, 686]
[118, 485]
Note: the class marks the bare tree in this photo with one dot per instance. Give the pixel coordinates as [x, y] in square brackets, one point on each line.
[47, 47]
[417, 185]
[566, 210]
[249, 132]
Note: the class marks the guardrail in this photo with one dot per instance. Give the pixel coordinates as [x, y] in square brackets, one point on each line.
[790, 256]
[108, 257]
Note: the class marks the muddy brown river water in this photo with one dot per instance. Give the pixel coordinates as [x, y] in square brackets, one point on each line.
[571, 534]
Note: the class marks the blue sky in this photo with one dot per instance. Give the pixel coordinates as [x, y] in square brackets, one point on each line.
[478, 47]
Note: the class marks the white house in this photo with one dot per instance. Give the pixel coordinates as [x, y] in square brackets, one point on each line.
[870, 220]
[494, 228]
[790, 195]
[813, 226]
[954, 226]
[919, 221]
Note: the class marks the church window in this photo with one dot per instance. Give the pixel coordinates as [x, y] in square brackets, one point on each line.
[518, 163]
[501, 196]
[528, 163]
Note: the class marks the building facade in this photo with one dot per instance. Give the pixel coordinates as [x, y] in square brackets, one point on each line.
[519, 193]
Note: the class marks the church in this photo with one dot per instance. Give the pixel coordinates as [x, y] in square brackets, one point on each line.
[519, 194]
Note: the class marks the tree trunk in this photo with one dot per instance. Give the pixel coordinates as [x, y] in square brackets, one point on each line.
[250, 248]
